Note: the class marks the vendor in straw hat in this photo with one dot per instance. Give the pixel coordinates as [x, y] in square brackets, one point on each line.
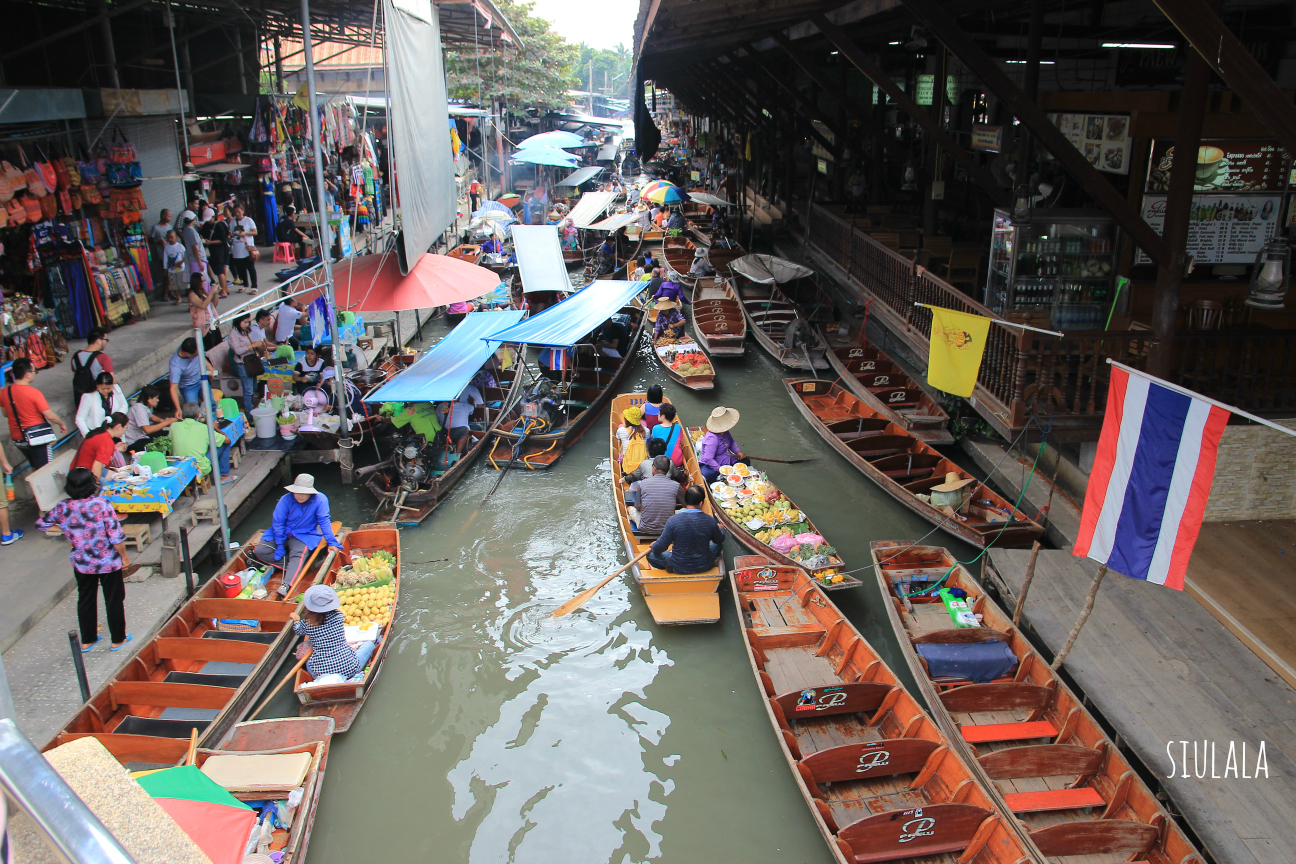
[953, 492]
[666, 289]
[300, 521]
[324, 627]
[669, 320]
[717, 446]
[701, 264]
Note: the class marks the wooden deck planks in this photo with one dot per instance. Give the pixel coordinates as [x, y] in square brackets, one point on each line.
[1160, 668]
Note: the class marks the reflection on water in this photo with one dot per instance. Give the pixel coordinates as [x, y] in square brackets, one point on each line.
[497, 733]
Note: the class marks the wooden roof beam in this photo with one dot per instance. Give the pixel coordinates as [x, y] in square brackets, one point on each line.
[800, 105]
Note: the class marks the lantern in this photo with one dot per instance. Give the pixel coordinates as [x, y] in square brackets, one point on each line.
[1271, 275]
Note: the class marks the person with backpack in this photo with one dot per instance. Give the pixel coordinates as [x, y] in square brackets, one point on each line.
[631, 432]
[89, 363]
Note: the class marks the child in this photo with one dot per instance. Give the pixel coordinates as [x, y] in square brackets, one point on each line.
[173, 258]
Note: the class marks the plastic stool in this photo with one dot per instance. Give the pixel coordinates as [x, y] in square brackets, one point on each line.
[284, 252]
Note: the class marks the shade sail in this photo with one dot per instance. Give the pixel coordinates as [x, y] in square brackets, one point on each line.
[441, 374]
[768, 269]
[542, 155]
[708, 199]
[565, 324]
[540, 258]
[489, 207]
[590, 208]
[607, 153]
[620, 220]
[557, 138]
[373, 283]
[581, 175]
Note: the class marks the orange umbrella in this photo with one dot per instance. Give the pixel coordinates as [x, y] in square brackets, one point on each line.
[373, 283]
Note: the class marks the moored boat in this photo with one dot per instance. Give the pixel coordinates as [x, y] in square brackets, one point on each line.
[717, 317]
[342, 701]
[877, 379]
[908, 469]
[881, 780]
[683, 359]
[778, 327]
[1015, 721]
[672, 598]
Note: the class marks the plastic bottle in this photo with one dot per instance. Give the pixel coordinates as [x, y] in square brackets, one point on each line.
[9, 489]
[959, 610]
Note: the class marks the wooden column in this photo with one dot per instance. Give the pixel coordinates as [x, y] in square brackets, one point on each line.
[937, 156]
[110, 52]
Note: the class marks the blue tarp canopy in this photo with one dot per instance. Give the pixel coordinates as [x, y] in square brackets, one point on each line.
[441, 374]
[563, 325]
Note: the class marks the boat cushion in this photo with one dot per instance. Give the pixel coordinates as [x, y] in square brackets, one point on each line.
[977, 661]
[1054, 799]
[262, 638]
[258, 773]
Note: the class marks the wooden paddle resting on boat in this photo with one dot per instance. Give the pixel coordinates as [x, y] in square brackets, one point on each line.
[874, 377]
[906, 467]
[717, 317]
[672, 598]
[343, 701]
[205, 669]
[1016, 722]
[881, 780]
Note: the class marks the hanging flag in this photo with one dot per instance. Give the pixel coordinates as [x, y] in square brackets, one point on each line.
[1151, 478]
[956, 344]
[302, 97]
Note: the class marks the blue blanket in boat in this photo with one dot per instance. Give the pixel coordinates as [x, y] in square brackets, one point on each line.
[979, 661]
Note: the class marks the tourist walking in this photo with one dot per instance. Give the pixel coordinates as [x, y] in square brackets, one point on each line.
[31, 420]
[243, 251]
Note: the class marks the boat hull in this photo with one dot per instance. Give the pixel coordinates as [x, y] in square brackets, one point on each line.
[717, 318]
[768, 313]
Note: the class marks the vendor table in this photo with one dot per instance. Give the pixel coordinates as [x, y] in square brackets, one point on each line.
[236, 428]
[157, 495]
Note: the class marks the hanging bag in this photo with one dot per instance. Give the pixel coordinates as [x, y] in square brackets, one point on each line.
[32, 207]
[15, 211]
[17, 180]
[48, 175]
[6, 188]
[37, 435]
[119, 149]
[35, 185]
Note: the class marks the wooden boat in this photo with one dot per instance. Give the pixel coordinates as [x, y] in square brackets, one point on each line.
[342, 702]
[679, 253]
[877, 774]
[823, 574]
[204, 669]
[1020, 725]
[589, 388]
[769, 314]
[672, 351]
[466, 252]
[717, 317]
[671, 598]
[874, 377]
[905, 467]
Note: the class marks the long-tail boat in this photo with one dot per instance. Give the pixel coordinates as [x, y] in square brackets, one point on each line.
[877, 379]
[343, 701]
[881, 780]
[203, 670]
[1015, 720]
[907, 468]
[769, 315]
[680, 252]
[717, 317]
[672, 598]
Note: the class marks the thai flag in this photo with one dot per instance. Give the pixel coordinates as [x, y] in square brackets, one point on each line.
[554, 358]
[1150, 480]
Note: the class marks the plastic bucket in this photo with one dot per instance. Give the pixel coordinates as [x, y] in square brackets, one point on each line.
[232, 584]
[266, 425]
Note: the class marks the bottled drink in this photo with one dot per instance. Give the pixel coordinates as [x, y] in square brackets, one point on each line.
[9, 487]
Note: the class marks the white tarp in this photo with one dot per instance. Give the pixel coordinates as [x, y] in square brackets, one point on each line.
[540, 258]
[767, 269]
[581, 175]
[621, 220]
[420, 128]
[590, 208]
[708, 199]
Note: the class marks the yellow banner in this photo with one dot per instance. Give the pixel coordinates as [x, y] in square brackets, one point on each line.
[957, 343]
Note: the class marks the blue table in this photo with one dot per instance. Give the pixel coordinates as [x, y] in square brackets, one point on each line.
[157, 495]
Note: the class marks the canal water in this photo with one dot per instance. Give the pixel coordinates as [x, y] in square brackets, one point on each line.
[496, 733]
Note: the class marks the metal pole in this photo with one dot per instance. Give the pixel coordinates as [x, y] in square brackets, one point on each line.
[186, 562]
[7, 711]
[180, 94]
[210, 410]
[78, 663]
[110, 52]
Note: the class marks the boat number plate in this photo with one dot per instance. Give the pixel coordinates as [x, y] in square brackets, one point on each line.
[766, 580]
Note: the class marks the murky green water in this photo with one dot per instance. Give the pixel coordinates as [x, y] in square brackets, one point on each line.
[498, 734]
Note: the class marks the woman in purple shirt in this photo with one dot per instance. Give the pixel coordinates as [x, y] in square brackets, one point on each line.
[669, 321]
[717, 446]
[669, 290]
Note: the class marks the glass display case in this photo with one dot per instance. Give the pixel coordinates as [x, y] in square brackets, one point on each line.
[1054, 270]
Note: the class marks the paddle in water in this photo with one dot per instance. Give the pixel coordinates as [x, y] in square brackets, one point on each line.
[588, 594]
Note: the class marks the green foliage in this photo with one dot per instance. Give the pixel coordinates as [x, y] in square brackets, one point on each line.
[538, 75]
[611, 70]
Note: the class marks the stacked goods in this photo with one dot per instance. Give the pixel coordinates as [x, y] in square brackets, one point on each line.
[365, 606]
[371, 571]
[683, 356]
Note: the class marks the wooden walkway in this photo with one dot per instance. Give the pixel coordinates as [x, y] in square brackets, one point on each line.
[1160, 670]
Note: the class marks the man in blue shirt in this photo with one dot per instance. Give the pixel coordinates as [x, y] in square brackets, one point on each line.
[301, 520]
[186, 374]
[691, 540]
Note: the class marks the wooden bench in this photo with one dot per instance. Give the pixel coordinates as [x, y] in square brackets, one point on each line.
[138, 533]
[1117, 837]
[937, 830]
[871, 759]
[1048, 760]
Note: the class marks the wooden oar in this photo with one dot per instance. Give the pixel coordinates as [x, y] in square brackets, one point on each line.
[783, 461]
[588, 594]
[286, 679]
[192, 755]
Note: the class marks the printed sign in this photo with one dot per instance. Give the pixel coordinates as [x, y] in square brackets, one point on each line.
[1223, 165]
[827, 697]
[1222, 229]
[989, 138]
[1104, 139]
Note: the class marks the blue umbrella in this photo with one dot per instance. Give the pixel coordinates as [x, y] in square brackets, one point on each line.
[543, 155]
[488, 206]
[556, 138]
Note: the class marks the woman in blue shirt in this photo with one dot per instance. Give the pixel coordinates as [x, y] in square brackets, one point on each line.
[669, 430]
[301, 520]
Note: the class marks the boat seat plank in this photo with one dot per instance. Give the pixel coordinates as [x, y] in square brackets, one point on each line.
[837, 698]
[887, 836]
[959, 635]
[1048, 760]
[795, 636]
[162, 694]
[129, 748]
[796, 669]
[134, 725]
[873, 759]
[1054, 799]
[262, 638]
[243, 609]
[1004, 696]
[1008, 732]
[1116, 837]
[233, 651]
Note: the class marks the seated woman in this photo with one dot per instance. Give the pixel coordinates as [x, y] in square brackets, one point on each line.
[95, 406]
[142, 424]
[669, 429]
[631, 428]
[669, 290]
[309, 371]
[96, 451]
[332, 659]
[652, 406]
[670, 323]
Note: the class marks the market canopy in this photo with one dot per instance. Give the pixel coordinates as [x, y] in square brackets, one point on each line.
[590, 208]
[489, 207]
[708, 199]
[441, 374]
[373, 283]
[540, 258]
[557, 138]
[543, 155]
[620, 220]
[607, 153]
[581, 175]
[767, 269]
[564, 325]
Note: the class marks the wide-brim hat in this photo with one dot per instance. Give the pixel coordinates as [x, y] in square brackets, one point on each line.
[303, 485]
[723, 419]
[321, 598]
[665, 303]
[953, 482]
[700, 252]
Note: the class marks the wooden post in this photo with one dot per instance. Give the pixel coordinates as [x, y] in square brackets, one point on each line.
[1084, 616]
[1035, 547]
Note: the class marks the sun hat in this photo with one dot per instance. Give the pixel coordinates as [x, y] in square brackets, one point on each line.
[632, 415]
[700, 252]
[666, 304]
[723, 419]
[303, 485]
[187, 215]
[953, 482]
[321, 598]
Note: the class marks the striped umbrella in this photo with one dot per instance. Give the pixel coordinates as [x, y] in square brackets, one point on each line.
[663, 192]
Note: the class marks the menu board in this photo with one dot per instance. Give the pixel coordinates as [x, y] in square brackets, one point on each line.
[1222, 229]
[1223, 165]
[1104, 139]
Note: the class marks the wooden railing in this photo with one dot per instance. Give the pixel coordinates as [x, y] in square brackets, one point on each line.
[1252, 369]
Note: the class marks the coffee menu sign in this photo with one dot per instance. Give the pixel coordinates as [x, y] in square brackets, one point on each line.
[1223, 165]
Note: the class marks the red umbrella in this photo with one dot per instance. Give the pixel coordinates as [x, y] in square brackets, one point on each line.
[372, 283]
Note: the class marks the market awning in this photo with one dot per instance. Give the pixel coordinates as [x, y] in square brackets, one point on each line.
[590, 208]
[768, 269]
[620, 220]
[373, 283]
[540, 258]
[568, 322]
[441, 374]
[607, 153]
[544, 155]
[580, 176]
[708, 199]
[557, 138]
